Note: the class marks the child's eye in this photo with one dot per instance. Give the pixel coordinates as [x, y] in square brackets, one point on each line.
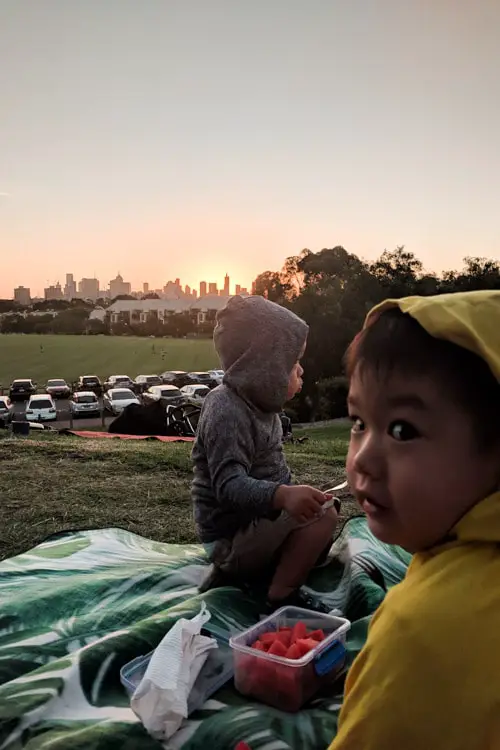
[402, 431]
[357, 424]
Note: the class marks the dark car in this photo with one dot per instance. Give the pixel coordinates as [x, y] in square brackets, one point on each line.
[89, 383]
[21, 390]
[57, 388]
[179, 378]
[201, 378]
[118, 381]
[143, 382]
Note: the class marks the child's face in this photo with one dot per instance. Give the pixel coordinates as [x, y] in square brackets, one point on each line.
[295, 380]
[413, 464]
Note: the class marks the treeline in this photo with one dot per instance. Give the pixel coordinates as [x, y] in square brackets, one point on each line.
[334, 289]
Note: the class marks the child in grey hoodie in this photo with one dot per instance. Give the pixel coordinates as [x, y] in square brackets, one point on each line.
[254, 523]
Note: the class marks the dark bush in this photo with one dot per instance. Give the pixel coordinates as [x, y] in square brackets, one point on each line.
[332, 398]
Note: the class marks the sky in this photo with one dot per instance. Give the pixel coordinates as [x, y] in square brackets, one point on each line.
[187, 138]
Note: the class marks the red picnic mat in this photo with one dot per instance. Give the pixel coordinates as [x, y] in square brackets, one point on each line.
[163, 438]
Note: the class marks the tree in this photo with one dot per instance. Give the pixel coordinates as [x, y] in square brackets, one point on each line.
[398, 272]
[270, 286]
[150, 295]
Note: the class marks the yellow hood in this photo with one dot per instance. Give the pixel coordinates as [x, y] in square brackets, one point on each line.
[468, 319]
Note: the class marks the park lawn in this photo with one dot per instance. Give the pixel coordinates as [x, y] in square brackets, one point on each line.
[44, 357]
[49, 483]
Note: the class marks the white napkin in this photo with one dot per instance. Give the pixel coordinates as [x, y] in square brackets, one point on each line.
[161, 698]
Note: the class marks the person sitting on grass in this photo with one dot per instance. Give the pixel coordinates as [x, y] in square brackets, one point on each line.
[424, 465]
[254, 523]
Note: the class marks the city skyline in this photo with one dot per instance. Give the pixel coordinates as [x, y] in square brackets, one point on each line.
[206, 137]
[90, 288]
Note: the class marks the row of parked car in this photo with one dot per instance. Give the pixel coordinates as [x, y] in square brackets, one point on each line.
[171, 388]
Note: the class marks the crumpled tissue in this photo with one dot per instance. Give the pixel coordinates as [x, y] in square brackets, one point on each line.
[161, 698]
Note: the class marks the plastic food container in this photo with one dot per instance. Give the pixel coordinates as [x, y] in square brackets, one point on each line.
[288, 683]
[217, 670]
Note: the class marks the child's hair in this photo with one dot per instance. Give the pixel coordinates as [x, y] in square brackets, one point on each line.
[396, 343]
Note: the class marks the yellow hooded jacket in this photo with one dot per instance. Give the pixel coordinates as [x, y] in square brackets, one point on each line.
[428, 677]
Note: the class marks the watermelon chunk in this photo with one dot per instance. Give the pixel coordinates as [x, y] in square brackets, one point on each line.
[317, 635]
[278, 648]
[284, 636]
[293, 652]
[259, 646]
[305, 645]
[299, 631]
[268, 638]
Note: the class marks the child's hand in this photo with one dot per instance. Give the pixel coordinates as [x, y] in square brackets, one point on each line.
[300, 501]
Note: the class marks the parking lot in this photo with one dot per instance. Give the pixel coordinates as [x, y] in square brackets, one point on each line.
[63, 417]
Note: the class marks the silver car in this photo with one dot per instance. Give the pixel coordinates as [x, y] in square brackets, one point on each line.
[116, 399]
[84, 403]
[6, 410]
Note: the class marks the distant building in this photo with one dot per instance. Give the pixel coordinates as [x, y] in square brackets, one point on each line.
[70, 287]
[226, 285]
[54, 292]
[238, 289]
[89, 289]
[139, 311]
[145, 288]
[243, 290]
[203, 288]
[194, 293]
[22, 295]
[187, 290]
[118, 286]
[212, 288]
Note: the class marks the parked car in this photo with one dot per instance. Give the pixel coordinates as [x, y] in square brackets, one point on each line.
[21, 390]
[89, 383]
[195, 394]
[116, 399]
[201, 378]
[57, 388]
[84, 403]
[216, 375]
[178, 378]
[41, 407]
[6, 410]
[143, 382]
[118, 381]
[169, 395]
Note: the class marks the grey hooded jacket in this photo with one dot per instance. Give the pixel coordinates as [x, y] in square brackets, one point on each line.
[237, 455]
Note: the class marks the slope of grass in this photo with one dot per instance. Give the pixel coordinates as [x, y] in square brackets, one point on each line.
[44, 357]
[49, 483]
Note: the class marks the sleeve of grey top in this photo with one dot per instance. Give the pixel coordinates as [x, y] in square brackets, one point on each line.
[229, 448]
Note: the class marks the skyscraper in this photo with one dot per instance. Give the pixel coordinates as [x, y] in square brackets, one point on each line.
[145, 288]
[212, 288]
[22, 295]
[89, 289]
[238, 289]
[69, 287]
[203, 288]
[118, 287]
[226, 285]
[53, 292]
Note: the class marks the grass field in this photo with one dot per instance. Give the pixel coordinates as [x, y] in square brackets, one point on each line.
[44, 357]
[50, 483]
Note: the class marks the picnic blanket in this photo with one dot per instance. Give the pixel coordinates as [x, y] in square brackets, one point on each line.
[79, 606]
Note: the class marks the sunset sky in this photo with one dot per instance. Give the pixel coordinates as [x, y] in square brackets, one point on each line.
[187, 138]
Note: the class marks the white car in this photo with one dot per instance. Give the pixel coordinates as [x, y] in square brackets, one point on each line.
[216, 375]
[169, 395]
[195, 394]
[116, 399]
[41, 408]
